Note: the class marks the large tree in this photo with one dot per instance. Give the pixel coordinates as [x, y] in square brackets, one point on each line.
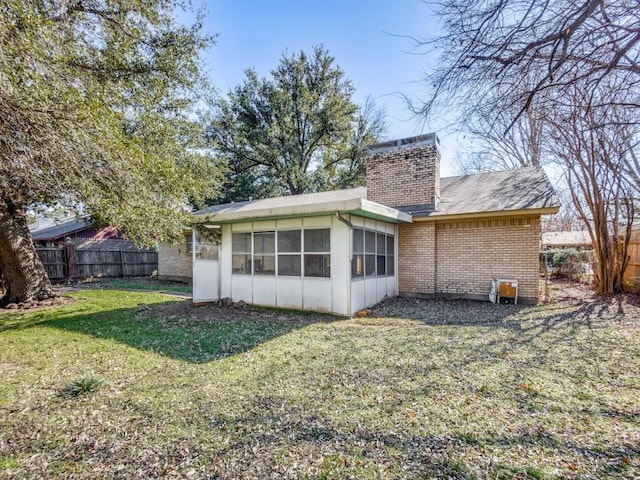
[297, 131]
[95, 109]
[505, 44]
[594, 146]
[573, 67]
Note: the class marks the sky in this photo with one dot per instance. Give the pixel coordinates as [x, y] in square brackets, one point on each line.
[370, 41]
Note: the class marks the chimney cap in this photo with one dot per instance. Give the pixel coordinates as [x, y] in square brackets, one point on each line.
[418, 140]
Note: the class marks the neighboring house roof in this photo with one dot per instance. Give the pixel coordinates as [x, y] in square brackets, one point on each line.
[485, 193]
[344, 201]
[482, 194]
[57, 229]
[565, 239]
[51, 230]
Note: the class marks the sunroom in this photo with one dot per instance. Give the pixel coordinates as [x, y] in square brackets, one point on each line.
[333, 252]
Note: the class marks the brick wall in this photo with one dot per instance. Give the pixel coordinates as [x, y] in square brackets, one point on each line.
[174, 263]
[468, 254]
[416, 257]
[404, 176]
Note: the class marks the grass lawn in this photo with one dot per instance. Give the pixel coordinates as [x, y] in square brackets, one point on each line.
[102, 388]
[136, 283]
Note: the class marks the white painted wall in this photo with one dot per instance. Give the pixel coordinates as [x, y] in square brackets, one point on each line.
[206, 276]
[337, 294]
[205, 281]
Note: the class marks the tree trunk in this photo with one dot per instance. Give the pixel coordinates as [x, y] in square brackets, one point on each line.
[24, 275]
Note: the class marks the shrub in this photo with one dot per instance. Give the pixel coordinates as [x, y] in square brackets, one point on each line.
[569, 262]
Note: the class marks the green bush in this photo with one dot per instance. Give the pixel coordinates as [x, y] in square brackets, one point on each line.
[568, 262]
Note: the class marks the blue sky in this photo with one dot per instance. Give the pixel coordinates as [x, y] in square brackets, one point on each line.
[367, 38]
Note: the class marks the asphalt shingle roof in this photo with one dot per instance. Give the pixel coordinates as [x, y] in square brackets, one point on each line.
[510, 190]
[521, 189]
[54, 230]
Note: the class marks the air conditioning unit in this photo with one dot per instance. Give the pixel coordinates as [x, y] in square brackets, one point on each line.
[504, 291]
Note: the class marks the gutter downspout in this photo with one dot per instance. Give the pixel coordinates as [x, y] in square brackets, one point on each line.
[350, 225]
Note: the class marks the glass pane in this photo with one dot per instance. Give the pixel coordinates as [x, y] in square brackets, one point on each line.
[390, 245]
[357, 266]
[264, 265]
[391, 265]
[317, 266]
[241, 242]
[289, 241]
[289, 265]
[381, 240]
[241, 264]
[380, 262]
[370, 265]
[358, 240]
[207, 251]
[369, 241]
[264, 242]
[317, 240]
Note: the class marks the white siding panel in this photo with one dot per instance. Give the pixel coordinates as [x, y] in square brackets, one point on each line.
[241, 288]
[381, 288]
[289, 223]
[289, 292]
[357, 221]
[264, 290]
[357, 296]
[266, 225]
[317, 222]
[370, 292]
[205, 280]
[241, 227]
[391, 287]
[316, 294]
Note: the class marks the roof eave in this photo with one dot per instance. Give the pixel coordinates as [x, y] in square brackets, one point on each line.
[355, 206]
[525, 212]
[381, 212]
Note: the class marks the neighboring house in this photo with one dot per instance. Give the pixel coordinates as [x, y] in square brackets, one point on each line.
[175, 262]
[50, 231]
[407, 233]
[580, 240]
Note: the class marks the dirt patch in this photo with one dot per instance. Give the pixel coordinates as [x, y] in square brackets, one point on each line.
[54, 302]
[565, 295]
[217, 313]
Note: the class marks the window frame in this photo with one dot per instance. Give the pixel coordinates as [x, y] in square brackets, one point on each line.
[365, 261]
[251, 254]
[248, 255]
[324, 255]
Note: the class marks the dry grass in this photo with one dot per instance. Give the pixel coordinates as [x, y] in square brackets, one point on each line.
[423, 389]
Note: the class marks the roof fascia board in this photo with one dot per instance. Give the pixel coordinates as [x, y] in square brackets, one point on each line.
[358, 206]
[533, 212]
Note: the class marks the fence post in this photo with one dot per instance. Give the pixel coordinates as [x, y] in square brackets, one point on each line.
[70, 260]
[122, 262]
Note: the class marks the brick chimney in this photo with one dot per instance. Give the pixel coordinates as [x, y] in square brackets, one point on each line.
[405, 173]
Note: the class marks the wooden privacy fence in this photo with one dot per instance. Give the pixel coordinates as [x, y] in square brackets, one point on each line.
[631, 280]
[54, 261]
[69, 262]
